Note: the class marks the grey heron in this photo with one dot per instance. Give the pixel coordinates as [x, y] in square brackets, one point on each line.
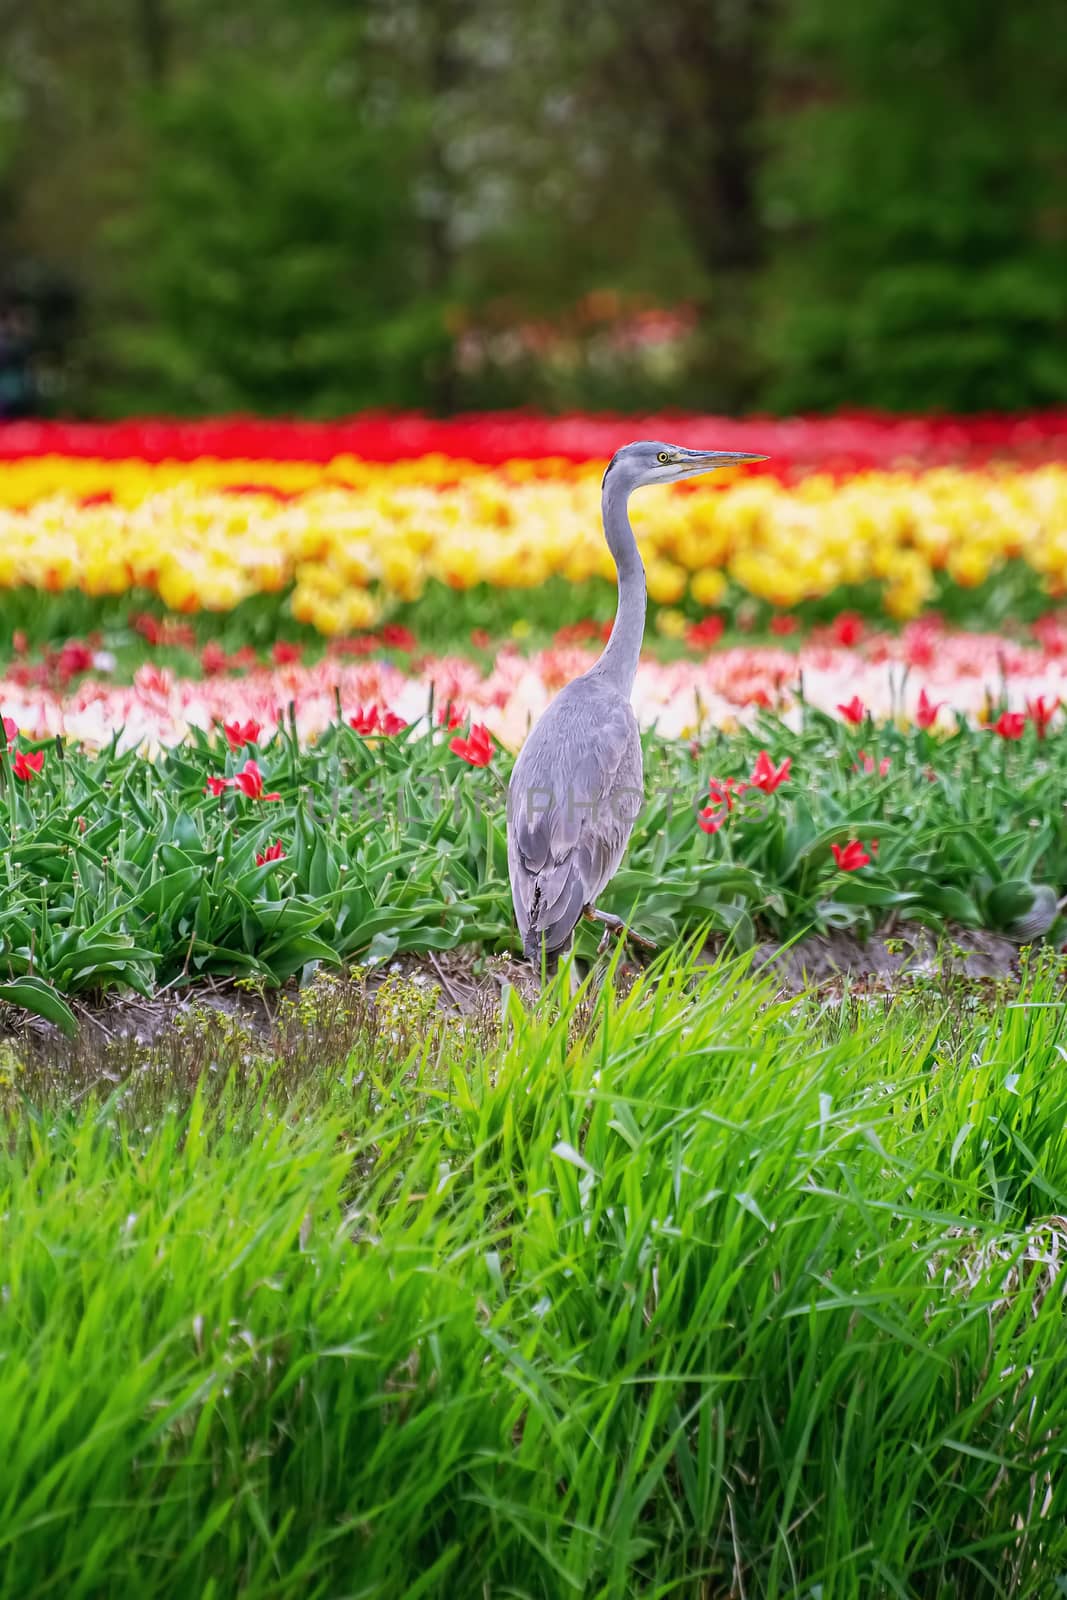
[577, 786]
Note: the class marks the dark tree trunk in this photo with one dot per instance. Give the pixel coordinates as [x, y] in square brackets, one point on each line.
[153, 26]
[444, 72]
[696, 70]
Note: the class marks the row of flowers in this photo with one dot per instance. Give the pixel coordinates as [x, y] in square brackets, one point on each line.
[926, 675]
[476, 750]
[846, 442]
[347, 553]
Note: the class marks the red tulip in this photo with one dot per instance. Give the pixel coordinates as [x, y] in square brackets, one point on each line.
[926, 712]
[725, 792]
[852, 855]
[155, 632]
[850, 443]
[480, 639]
[213, 659]
[868, 764]
[250, 782]
[1010, 724]
[711, 821]
[855, 711]
[285, 654]
[450, 716]
[11, 730]
[73, 658]
[28, 767]
[363, 644]
[577, 632]
[477, 750]
[1041, 714]
[766, 776]
[216, 785]
[704, 634]
[398, 638]
[375, 721]
[238, 734]
[150, 628]
[273, 852]
[1050, 635]
[848, 629]
[920, 640]
[781, 624]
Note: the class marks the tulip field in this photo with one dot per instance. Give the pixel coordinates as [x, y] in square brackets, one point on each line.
[326, 1274]
[308, 653]
[242, 856]
[345, 525]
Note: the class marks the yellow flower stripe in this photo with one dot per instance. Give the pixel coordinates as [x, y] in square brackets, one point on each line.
[29, 479]
[357, 537]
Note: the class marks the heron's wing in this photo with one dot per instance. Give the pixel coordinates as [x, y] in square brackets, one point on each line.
[574, 795]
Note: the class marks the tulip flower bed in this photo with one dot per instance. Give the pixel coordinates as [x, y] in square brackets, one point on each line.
[74, 693]
[244, 855]
[331, 529]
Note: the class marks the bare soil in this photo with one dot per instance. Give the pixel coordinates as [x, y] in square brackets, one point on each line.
[468, 983]
[155, 1053]
[889, 961]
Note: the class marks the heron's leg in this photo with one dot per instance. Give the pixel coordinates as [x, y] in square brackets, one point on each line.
[552, 966]
[615, 925]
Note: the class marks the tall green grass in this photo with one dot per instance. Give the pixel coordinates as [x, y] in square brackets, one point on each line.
[680, 1294]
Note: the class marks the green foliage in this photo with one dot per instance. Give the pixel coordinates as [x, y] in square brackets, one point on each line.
[694, 1295]
[276, 253]
[297, 222]
[123, 872]
[923, 259]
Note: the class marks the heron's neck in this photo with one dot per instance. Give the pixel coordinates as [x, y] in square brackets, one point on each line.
[618, 664]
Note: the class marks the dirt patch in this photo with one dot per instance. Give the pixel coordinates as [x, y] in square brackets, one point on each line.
[889, 961]
[154, 1054]
[461, 980]
[468, 984]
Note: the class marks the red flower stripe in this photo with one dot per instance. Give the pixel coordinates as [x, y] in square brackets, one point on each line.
[841, 444]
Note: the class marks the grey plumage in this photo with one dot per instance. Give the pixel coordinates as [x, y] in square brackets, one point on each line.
[576, 789]
[574, 796]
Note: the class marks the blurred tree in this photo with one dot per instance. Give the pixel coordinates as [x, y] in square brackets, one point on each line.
[599, 160]
[916, 195]
[696, 70]
[862, 203]
[276, 252]
[154, 26]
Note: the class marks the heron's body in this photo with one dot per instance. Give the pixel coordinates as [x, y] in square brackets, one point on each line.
[576, 789]
[565, 841]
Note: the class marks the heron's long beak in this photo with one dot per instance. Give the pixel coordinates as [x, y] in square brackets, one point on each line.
[709, 460]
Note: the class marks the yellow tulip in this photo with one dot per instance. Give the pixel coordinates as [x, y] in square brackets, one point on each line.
[708, 588]
[671, 624]
[666, 582]
[335, 530]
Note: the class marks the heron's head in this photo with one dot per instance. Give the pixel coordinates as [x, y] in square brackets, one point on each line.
[652, 461]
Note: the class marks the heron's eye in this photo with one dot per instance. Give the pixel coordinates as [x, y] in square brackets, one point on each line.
[663, 458]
